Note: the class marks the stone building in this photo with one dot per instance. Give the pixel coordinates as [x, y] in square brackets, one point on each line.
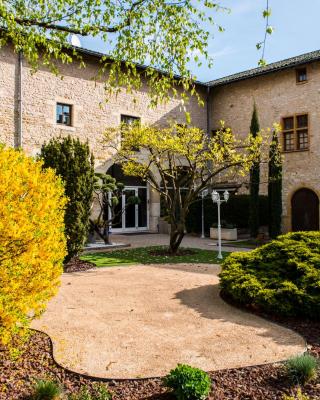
[36, 107]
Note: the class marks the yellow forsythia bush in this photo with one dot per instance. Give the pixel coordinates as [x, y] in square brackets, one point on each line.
[32, 241]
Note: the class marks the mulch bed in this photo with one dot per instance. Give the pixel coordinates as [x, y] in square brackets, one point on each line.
[77, 265]
[266, 382]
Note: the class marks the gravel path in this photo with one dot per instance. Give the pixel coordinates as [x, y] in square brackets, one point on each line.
[140, 321]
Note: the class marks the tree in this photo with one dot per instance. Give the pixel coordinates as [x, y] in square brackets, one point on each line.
[254, 180]
[275, 186]
[167, 35]
[32, 240]
[108, 195]
[179, 162]
[73, 161]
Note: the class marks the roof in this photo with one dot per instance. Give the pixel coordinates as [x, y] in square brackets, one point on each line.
[274, 67]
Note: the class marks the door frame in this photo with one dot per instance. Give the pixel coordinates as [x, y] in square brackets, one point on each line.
[123, 229]
[290, 199]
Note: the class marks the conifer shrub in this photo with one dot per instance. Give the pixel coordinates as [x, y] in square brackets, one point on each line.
[32, 240]
[74, 163]
[280, 277]
[188, 383]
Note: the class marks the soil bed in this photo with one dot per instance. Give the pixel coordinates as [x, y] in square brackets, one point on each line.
[78, 265]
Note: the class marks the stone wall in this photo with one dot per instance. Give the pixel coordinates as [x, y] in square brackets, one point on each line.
[277, 95]
[91, 114]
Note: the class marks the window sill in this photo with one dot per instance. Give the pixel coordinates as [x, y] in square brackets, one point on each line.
[294, 151]
[302, 83]
[65, 127]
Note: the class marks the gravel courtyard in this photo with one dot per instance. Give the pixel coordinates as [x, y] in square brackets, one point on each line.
[140, 321]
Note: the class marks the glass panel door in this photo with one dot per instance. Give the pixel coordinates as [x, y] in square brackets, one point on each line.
[130, 212]
[142, 208]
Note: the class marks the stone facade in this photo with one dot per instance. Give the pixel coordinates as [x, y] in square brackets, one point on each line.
[277, 95]
[91, 114]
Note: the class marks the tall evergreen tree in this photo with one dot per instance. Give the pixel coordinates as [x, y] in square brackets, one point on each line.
[74, 162]
[254, 181]
[275, 187]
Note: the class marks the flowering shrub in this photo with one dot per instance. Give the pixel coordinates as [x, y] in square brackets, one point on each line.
[32, 241]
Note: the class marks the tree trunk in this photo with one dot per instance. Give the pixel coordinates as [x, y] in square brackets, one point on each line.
[176, 236]
[106, 236]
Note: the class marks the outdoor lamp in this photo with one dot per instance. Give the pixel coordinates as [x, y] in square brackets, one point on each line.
[217, 199]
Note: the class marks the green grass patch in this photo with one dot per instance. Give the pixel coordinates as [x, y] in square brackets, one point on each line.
[148, 255]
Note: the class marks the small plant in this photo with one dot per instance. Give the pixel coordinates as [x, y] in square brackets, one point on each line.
[98, 392]
[299, 396]
[188, 383]
[47, 390]
[302, 369]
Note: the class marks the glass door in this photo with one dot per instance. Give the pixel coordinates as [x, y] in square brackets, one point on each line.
[133, 216]
[130, 209]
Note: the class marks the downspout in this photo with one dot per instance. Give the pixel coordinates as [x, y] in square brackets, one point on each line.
[19, 141]
[208, 110]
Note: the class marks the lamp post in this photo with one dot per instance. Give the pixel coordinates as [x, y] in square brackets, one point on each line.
[203, 194]
[217, 199]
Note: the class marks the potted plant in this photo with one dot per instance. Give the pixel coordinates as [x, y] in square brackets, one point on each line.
[228, 231]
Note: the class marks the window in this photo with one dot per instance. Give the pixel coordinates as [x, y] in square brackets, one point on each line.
[301, 74]
[295, 133]
[129, 120]
[63, 114]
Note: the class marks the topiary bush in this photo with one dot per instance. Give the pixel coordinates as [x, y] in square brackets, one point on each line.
[281, 277]
[32, 241]
[188, 383]
[302, 369]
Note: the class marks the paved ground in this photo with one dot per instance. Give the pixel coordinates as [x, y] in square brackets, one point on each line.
[142, 240]
[140, 321]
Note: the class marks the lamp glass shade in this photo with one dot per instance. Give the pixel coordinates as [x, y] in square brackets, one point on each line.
[215, 196]
[226, 195]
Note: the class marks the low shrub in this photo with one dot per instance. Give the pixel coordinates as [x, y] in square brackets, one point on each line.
[280, 277]
[98, 392]
[188, 383]
[234, 212]
[47, 390]
[299, 396]
[302, 369]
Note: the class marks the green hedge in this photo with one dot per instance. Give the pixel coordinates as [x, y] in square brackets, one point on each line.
[281, 277]
[235, 211]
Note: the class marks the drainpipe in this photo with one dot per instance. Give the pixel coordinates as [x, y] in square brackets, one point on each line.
[19, 141]
[208, 110]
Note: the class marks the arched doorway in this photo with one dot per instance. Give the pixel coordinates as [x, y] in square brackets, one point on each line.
[135, 216]
[305, 210]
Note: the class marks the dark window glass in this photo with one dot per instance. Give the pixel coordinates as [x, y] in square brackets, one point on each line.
[288, 141]
[63, 114]
[128, 119]
[303, 139]
[288, 123]
[302, 75]
[302, 121]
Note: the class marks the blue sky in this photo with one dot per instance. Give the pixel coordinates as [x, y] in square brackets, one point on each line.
[296, 30]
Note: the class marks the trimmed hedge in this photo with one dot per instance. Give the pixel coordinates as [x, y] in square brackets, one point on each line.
[281, 277]
[235, 211]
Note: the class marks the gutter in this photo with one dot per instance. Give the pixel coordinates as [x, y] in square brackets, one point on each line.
[19, 138]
